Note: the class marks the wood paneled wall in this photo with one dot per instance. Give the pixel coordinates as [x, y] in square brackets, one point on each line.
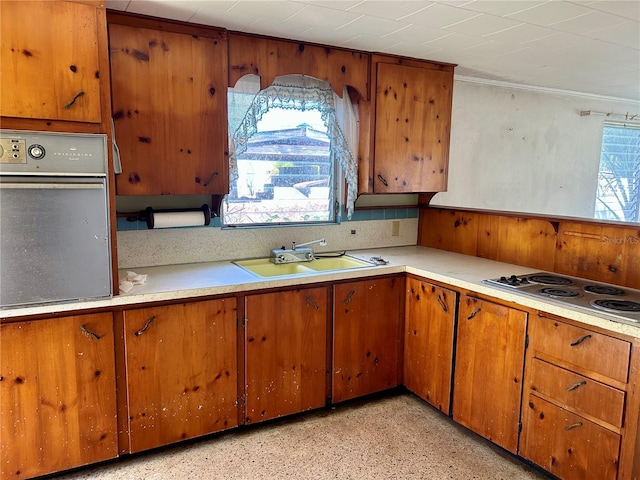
[587, 249]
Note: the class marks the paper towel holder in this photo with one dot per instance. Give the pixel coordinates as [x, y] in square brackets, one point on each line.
[148, 215]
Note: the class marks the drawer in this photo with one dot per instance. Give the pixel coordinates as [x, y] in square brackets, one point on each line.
[567, 445]
[583, 348]
[580, 393]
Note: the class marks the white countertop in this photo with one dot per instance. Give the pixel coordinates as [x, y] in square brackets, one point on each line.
[189, 281]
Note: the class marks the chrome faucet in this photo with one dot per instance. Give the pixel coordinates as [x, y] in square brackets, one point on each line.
[297, 253]
[321, 241]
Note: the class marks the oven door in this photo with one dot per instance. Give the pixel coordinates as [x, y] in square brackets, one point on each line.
[54, 240]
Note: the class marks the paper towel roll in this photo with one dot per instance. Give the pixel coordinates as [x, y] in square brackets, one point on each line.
[183, 218]
[178, 219]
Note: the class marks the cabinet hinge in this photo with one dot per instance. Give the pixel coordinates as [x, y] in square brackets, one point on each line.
[526, 341]
[519, 427]
[243, 399]
[241, 322]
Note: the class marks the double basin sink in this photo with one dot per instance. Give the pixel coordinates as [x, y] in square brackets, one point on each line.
[263, 267]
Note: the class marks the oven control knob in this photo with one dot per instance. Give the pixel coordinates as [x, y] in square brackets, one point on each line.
[36, 151]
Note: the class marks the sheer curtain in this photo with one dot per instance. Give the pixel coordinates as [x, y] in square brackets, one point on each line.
[302, 92]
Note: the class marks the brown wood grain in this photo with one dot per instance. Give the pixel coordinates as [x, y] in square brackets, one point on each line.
[285, 341]
[57, 394]
[599, 252]
[270, 58]
[41, 70]
[170, 111]
[412, 126]
[181, 369]
[489, 370]
[367, 335]
[428, 342]
[566, 444]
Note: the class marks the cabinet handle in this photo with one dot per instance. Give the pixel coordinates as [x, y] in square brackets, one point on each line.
[349, 296]
[580, 340]
[474, 313]
[576, 385]
[146, 325]
[312, 303]
[573, 425]
[443, 305]
[213, 175]
[73, 100]
[383, 180]
[89, 332]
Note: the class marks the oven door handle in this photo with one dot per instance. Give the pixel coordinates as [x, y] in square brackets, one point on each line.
[51, 186]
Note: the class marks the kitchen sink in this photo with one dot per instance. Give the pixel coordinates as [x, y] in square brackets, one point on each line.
[264, 267]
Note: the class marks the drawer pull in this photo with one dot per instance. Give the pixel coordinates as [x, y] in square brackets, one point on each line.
[576, 385]
[580, 340]
[312, 303]
[474, 313]
[443, 305]
[146, 325]
[349, 296]
[383, 180]
[89, 332]
[573, 425]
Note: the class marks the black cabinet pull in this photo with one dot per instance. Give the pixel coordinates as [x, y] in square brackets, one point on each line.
[573, 425]
[580, 340]
[312, 303]
[146, 325]
[73, 100]
[443, 305]
[213, 175]
[576, 385]
[349, 296]
[89, 332]
[474, 313]
[383, 180]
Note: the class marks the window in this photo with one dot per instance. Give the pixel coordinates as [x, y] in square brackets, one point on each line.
[289, 155]
[618, 191]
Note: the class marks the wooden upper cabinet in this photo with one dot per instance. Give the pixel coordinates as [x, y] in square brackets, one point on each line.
[57, 394]
[412, 125]
[181, 371]
[270, 58]
[169, 94]
[49, 61]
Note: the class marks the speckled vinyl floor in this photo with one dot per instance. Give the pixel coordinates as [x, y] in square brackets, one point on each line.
[391, 437]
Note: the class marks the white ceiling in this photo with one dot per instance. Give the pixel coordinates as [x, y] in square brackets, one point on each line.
[589, 46]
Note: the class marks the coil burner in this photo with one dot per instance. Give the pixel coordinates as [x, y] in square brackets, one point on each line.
[615, 303]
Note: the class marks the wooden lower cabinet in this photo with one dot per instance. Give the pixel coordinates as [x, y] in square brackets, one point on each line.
[181, 371]
[568, 445]
[285, 352]
[430, 315]
[367, 333]
[57, 394]
[577, 410]
[489, 369]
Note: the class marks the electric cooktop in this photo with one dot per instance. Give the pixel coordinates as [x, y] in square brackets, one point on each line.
[615, 303]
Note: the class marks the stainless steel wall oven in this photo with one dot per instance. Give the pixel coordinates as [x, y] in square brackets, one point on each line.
[54, 218]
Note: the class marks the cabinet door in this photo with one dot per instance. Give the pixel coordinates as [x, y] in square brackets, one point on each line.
[49, 58]
[181, 367]
[428, 342]
[412, 128]
[169, 107]
[367, 327]
[488, 370]
[286, 353]
[57, 394]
